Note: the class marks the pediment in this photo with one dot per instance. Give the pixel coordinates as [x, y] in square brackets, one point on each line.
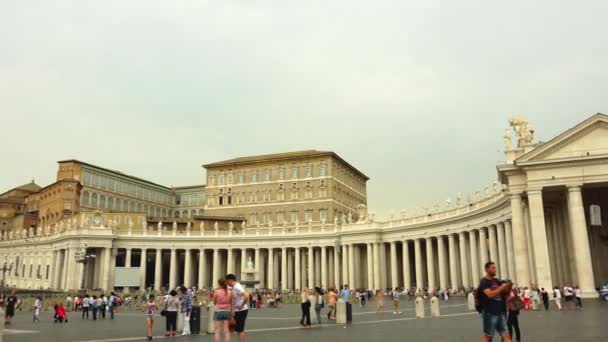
[587, 139]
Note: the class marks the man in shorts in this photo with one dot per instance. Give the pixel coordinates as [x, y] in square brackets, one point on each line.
[492, 293]
[240, 298]
[396, 307]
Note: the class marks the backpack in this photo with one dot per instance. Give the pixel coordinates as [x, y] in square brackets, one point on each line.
[480, 300]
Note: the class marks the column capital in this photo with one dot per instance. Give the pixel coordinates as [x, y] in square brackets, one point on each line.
[574, 188]
[534, 192]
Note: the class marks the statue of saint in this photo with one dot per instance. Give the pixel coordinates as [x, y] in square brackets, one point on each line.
[160, 225]
[508, 141]
[216, 226]
[188, 226]
[144, 225]
[174, 225]
[230, 225]
[250, 264]
[448, 203]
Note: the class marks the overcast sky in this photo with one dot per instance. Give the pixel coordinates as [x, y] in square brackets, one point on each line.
[416, 94]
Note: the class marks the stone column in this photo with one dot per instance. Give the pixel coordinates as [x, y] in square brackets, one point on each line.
[494, 247]
[158, 269]
[430, 263]
[324, 267]
[351, 266]
[580, 242]
[202, 269]
[542, 261]
[311, 267]
[474, 258]
[216, 268]
[502, 250]
[509, 245]
[418, 260]
[243, 263]
[298, 269]
[441, 255]
[464, 263]
[142, 269]
[128, 257]
[56, 269]
[230, 263]
[107, 257]
[383, 262]
[483, 250]
[271, 268]
[407, 279]
[337, 267]
[173, 269]
[345, 264]
[290, 265]
[370, 266]
[376, 266]
[452, 252]
[258, 263]
[284, 284]
[520, 247]
[188, 268]
[394, 274]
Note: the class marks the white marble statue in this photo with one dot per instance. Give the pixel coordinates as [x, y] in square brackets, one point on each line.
[336, 220]
[343, 218]
[201, 226]
[487, 190]
[349, 218]
[130, 224]
[508, 141]
[459, 199]
[160, 225]
[144, 225]
[230, 225]
[250, 264]
[216, 226]
[174, 226]
[188, 226]
[448, 203]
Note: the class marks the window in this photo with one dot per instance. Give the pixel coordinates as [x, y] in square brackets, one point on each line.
[210, 201]
[229, 200]
[308, 171]
[211, 180]
[229, 180]
[220, 200]
[308, 215]
[322, 170]
[48, 268]
[280, 217]
[280, 195]
[294, 216]
[267, 175]
[254, 176]
[241, 178]
[294, 194]
[110, 203]
[102, 201]
[253, 218]
[84, 200]
[323, 215]
[281, 173]
[94, 200]
[294, 172]
[117, 219]
[265, 218]
[220, 180]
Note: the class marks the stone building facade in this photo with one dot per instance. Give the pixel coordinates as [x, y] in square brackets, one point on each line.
[544, 222]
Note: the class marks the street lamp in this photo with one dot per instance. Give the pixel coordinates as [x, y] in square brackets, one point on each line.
[83, 257]
[6, 267]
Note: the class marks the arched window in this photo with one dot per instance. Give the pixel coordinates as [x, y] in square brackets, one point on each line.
[140, 208]
[85, 199]
[102, 201]
[163, 212]
[200, 212]
[110, 203]
[176, 214]
[94, 200]
[185, 213]
[192, 213]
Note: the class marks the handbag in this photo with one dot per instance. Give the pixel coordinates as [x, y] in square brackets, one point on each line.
[164, 311]
[515, 303]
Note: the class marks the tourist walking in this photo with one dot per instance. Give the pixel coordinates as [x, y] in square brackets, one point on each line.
[318, 302]
[545, 298]
[150, 309]
[112, 302]
[222, 304]
[333, 297]
[94, 307]
[557, 296]
[11, 304]
[37, 308]
[578, 297]
[86, 303]
[396, 303]
[345, 293]
[305, 306]
[69, 302]
[186, 308]
[527, 298]
[171, 307]
[492, 292]
[379, 301]
[240, 298]
[514, 305]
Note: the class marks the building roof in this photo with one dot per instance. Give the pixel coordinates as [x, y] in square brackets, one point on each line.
[114, 171]
[30, 187]
[186, 187]
[281, 156]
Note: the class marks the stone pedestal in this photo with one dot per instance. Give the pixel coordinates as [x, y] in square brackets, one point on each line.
[471, 302]
[435, 307]
[419, 308]
[210, 311]
[340, 311]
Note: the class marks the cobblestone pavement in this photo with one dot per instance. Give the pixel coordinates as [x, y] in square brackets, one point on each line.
[268, 325]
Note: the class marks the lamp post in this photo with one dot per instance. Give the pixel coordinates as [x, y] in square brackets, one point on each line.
[6, 267]
[83, 257]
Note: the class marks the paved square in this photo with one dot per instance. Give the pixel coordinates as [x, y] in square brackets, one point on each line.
[456, 324]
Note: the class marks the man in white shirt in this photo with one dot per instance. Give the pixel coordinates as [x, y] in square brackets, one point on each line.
[240, 298]
[569, 296]
[557, 295]
[578, 297]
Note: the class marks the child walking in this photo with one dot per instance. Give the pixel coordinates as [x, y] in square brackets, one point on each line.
[150, 310]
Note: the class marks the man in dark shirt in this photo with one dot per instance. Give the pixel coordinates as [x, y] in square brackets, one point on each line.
[491, 296]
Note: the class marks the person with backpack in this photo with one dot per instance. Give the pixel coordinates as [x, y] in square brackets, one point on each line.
[514, 305]
[492, 294]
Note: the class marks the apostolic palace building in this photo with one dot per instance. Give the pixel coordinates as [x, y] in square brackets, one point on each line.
[298, 219]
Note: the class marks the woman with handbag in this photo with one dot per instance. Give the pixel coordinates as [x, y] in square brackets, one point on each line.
[514, 304]
[170, 313]
[222, 305]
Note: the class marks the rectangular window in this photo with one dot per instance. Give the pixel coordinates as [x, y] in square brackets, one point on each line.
[294, 216]
[322, 170]
[254, 176]
[294, 172]
[308, 171]
[230, 178]
[48, 269]
[267, 175]
[281, 173]
[308, 215]
[280, 217]
[323, 214]
[241, 178]
[220, 180]
[265, 218]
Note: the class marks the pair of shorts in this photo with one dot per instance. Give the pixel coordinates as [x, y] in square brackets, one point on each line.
[221, 315]
[240, 317]
[569, 298]
[493, 324]
[149, 318]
